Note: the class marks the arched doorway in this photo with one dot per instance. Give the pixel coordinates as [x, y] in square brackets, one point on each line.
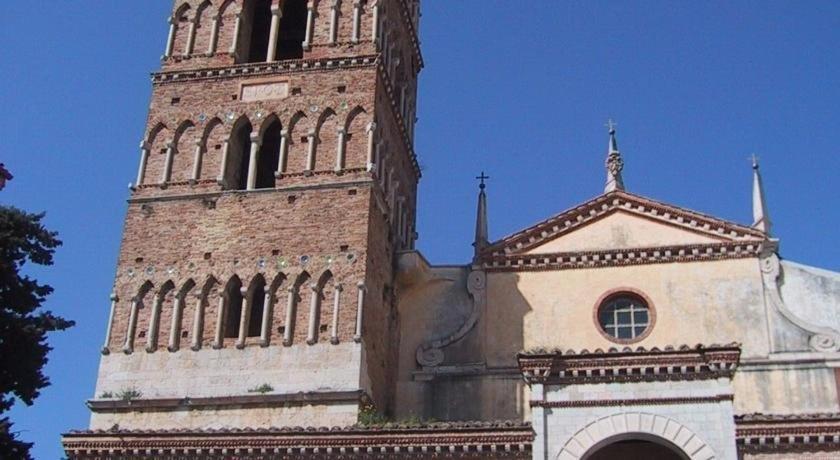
[636, 448]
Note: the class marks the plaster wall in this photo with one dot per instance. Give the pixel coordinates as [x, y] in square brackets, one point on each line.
[785, 389]
[622, 230]
[240, 417]
[699, 302]
[812, 294]
[229, 371]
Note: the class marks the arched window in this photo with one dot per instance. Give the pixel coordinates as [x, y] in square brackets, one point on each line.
[269, 154]
[292, 31]
[260, 27]
[257, 303]
[239, 153]
[233, 297]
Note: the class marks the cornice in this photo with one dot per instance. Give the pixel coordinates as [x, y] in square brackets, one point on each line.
[405, 13]
[401, 123]
[788, 433]
[621, 257]
[443, 440]
[632, 402]
[630, 365]
[264, 68]
[604, 205]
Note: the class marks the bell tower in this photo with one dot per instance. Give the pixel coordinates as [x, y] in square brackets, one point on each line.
[277, 179]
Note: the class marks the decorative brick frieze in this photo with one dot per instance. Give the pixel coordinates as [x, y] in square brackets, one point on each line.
[795, 433]
[630, 365]
[631, 402]
[441, 440]
[621, 257]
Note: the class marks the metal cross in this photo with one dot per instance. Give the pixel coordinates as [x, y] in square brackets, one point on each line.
[611, 125]
[754, 159]
[482, 178]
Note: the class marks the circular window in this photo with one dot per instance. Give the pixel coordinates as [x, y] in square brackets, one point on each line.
[625, 317]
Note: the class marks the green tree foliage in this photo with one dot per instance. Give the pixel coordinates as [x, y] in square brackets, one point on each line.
[23, 328]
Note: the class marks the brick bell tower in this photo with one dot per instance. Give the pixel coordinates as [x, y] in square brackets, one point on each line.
[277, 180]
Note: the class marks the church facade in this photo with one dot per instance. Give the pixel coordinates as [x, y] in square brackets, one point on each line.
[269, 302]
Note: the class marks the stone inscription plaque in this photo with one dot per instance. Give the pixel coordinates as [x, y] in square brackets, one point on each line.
[264, 91]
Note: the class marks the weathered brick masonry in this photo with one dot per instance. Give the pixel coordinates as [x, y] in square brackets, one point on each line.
[271, 194]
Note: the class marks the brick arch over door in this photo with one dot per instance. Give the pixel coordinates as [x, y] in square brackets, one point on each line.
[629, 425]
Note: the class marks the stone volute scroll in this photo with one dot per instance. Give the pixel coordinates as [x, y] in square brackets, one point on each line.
[430, 354]
[800, 334]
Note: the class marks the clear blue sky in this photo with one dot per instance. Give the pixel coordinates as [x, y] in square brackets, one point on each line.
[522, 92]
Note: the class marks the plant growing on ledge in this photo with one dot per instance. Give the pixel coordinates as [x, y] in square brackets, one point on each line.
[262, 389]
[106, 395]
[129, 394]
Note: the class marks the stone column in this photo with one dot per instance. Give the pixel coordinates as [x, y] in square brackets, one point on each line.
[375, 23]
[244, 318]
[151, 337]
[340, 150]
[357, 20]
[276, 14]
[371, 144]
[310, 19]
[175, 327]
[144, 158]
[539, 419]
[336, 307]
[290, 316]
[335, 9]
[360, 305]
[214, 37]
[106, 348]
[223, 166]
[310, 157]
[197, 160]
[265, 326]
[132, 326]
[284, 151]
[252, 162]
[170, 41]
[191, 37]
[314, 306]
[219, 340]
[198, 323]
[236, 29]
[167, 167]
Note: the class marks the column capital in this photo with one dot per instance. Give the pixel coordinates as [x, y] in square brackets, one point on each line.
[144, 145]
[335, 4]
[371, 127]
[310, 5]
[290, 289]
[339, 287]
[276, 11]
[114, 297]
[243, 291]
[284, 133]
[314, 287]
[361, 286]
[255, 138]
[198, 142]
[342, 130]
[312, 133]
[171, 20]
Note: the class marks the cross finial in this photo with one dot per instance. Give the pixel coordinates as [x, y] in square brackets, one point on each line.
[482, 178]
[611, 124]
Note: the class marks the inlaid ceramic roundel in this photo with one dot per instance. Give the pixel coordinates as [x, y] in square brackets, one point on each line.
[625, 316]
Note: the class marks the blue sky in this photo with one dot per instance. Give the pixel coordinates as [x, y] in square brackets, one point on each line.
[519, 91]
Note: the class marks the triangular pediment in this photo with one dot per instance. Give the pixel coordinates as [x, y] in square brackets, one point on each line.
[620, 220]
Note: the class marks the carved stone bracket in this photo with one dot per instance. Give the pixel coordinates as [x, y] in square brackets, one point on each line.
[820, 339]
[430, 354]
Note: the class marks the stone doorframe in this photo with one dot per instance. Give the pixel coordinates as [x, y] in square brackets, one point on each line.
[635, 425]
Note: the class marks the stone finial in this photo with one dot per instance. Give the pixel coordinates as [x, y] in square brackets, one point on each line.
[614, 164]
[761, 218]
[481, 235]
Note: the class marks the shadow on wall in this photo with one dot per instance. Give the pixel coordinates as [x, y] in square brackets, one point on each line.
[478, 377]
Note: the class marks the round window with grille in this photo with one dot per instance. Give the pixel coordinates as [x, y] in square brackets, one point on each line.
[625, 317]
